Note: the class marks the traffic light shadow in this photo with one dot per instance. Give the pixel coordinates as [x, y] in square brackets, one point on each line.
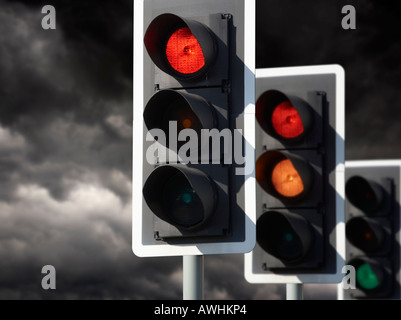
[240, 167]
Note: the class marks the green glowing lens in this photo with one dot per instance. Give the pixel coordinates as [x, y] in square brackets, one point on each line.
[366, 277]
[288, 237]
[186, 198]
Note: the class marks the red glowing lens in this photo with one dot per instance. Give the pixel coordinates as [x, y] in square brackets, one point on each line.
[368, 235]
[287, 121]
[184, 52]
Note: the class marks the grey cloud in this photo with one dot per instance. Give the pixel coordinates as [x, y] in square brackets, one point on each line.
[66, 139]
[59, 91]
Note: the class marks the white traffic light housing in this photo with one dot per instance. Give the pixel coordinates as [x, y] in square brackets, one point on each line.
[372, 228]
[300, 174]
[193, 107]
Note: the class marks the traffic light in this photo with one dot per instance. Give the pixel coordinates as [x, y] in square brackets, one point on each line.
[300, 173]
[193, 104]
[372, 217]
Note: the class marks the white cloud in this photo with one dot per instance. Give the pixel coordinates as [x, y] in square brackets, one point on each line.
[11, 141]
[118, 123]
[38, 223]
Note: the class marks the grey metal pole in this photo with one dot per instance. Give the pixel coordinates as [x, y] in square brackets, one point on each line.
[294, 291]
[192, 277]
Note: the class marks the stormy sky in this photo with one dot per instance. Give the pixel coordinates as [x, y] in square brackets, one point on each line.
[66, 139]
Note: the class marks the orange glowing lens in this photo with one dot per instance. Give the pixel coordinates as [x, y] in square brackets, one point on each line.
[184, 52]
[286, 179]
[186, 123]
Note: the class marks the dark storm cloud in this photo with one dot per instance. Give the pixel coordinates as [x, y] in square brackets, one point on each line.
[87, 240]
[65, 143]
[98, 35]
[66, 139]
[291, 33]
[67, 92]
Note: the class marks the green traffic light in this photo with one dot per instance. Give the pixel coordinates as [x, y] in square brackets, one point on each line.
[186, 198]
[366, 277]
[289, 237]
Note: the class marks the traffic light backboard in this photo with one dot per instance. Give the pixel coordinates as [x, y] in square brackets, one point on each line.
[299, 152]
[193, 127]
[372, 228]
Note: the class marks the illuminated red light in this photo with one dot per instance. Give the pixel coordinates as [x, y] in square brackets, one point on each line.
[286, 120]
[184, 52]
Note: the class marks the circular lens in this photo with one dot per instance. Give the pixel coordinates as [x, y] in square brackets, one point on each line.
[186, 123]
[286, 179]
[286, 120]
[173, 111]
[286, 236]
[366, 277]
[180, 111]
[365, 234]
[288, 244]
[371, 276]
[183, 48]
[365, 195]
[180, 202]
[184, 52]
